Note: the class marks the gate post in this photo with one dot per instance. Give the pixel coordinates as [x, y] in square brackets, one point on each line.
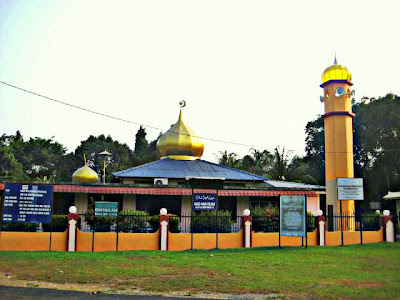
[321, 224]
[247, 228]
[164, 224]
[72, 229]
[388, 227]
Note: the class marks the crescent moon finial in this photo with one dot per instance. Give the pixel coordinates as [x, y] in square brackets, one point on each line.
[182, 103]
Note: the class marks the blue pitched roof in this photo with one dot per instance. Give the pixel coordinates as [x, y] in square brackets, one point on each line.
[169, 168]
[294, 185]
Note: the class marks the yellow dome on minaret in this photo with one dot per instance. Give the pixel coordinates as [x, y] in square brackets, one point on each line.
[180, 142]
[85, 174]
[336, 72]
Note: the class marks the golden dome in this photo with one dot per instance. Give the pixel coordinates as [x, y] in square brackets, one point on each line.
[180, 142]
[85, 175]
[336, 72]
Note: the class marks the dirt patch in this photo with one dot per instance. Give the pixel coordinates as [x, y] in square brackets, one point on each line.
[137, 257]
[109, 288]
[361, 284]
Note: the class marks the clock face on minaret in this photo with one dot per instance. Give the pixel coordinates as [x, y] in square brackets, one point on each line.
[338, 133]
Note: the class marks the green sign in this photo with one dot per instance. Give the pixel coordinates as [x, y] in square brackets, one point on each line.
[293, 215]
[106, 209]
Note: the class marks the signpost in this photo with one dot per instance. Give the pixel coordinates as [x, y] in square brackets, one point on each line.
[350, 189]
[293, 216]
[202, 201]
[27, 203]
[106, 209]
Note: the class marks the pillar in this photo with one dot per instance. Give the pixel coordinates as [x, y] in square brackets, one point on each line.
[321, 225]
[388, 227]
[247, 229]
[164, 222]
[72, 229]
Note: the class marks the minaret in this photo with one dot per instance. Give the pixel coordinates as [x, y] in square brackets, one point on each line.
[338, 123]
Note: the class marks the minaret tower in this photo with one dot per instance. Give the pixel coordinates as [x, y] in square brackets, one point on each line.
[338, 124]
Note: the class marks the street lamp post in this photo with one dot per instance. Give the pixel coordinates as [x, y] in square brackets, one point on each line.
[104, 156]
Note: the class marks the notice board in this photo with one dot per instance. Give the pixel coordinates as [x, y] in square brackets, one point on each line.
[293, 215]
[27, 203]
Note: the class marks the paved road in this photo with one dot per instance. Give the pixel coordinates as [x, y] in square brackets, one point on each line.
[9, 292]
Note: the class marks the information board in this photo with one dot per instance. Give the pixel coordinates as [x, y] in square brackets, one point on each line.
[293, 215]
[106, 209]
[27, 203]
[204, 201]
[350, 189]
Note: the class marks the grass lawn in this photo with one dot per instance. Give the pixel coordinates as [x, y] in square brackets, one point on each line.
[359, 271]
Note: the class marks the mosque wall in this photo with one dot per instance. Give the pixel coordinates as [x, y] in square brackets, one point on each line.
[81, 202]
[242, 204]
[186, 207]
[129, 202]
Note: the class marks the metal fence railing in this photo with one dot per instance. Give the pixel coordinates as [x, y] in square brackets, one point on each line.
[59, 223]
[205, 223]
[347, 222]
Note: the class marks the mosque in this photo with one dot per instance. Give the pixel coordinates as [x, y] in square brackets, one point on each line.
[172, 181]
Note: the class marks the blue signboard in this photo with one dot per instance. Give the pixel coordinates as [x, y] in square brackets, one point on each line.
[27, 203]
[293, 215]
[204, 201]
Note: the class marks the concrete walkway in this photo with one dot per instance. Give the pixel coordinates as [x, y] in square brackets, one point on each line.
[10, 292]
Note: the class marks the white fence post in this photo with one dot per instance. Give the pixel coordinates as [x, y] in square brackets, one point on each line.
[164, 221]
[388, 226]
[72, 228]
[247, 228]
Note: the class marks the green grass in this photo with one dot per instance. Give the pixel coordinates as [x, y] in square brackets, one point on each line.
[359, 271]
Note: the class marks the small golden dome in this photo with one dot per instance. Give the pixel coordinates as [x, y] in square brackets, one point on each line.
[85, 175]
[336, 72]
[180, 142]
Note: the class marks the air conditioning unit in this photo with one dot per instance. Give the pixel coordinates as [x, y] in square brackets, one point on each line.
[160, 181]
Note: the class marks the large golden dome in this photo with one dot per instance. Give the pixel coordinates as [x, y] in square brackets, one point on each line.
[85, 175]
[180, 142]
[336, 72]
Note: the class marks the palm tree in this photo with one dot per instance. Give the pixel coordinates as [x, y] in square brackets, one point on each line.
[229, 159]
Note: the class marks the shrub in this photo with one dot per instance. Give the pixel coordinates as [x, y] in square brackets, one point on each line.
[310, 222]
[371, 221]
[59, 224]
[101, 224]
[265, 219]
[210, 221]
[174, 223]
[17, 226]
[133, 220]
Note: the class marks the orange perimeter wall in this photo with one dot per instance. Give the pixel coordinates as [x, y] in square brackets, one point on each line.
[353, 237]
[107, 241]
[271, 239]
[33, 241]
[182, 241]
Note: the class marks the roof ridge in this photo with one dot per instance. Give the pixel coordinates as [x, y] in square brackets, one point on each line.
[137, 167]
[237, 170]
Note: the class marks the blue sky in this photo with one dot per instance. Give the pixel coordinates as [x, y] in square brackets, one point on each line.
[248, 70]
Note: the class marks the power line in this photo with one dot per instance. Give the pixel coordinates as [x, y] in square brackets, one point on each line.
[124, 120]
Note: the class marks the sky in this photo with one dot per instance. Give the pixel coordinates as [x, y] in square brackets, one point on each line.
[249, 70]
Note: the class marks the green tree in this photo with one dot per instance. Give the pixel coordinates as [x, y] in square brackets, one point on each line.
[40, 158]
[229, 159]
[141, 144]
[376, 132]
[10, 168]
[121, 158]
